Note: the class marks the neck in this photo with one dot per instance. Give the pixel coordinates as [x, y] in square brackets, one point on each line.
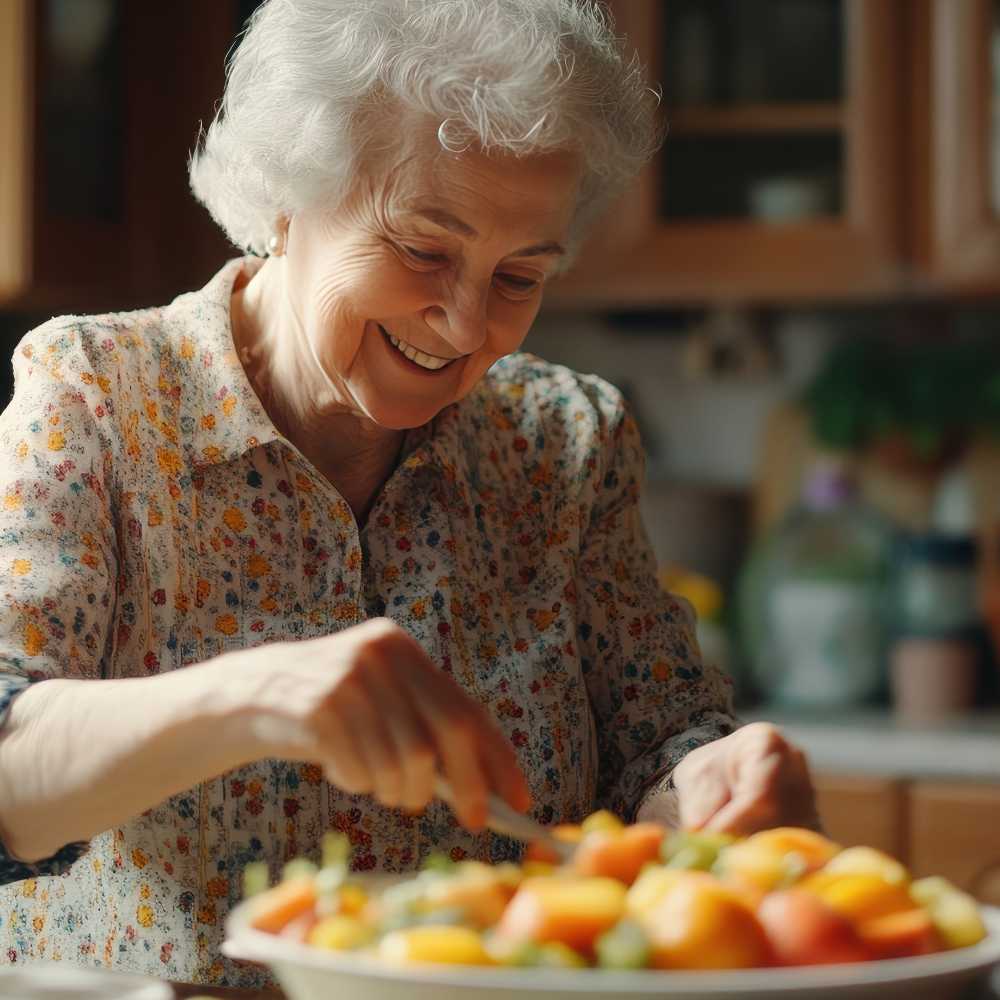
[355, 454]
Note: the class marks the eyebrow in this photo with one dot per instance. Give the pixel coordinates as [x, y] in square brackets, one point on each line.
[444, 219]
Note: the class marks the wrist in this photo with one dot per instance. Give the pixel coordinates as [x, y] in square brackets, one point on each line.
[660, 806]
[256, 707]
[660, 802]
[214, 708]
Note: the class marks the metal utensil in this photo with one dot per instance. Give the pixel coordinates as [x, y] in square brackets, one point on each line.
[501, 818]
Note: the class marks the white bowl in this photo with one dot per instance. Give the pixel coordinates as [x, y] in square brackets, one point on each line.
[66, 981]
[308, 973]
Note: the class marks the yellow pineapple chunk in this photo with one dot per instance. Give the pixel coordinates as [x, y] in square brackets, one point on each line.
[339, 933]
[604, 821]
[868, 861]
[446, 945]
[955, 913]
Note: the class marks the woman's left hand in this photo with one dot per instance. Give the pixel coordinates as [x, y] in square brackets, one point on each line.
[748, 781]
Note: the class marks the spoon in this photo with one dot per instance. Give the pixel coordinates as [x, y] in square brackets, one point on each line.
[501, 818]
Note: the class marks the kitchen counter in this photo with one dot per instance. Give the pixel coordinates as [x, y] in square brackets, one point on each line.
[965, 747]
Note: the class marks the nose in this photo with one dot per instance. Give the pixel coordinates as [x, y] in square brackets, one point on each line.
[460, 319]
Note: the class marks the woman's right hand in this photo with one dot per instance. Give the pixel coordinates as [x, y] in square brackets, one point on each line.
[370, 707]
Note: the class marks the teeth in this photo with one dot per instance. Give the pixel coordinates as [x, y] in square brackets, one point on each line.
[418, 357]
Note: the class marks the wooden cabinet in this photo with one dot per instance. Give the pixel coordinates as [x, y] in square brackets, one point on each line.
[863, 810]
[14, 182]
[953, 832]
[859, 160]
[830, 155]
[956, 145]
[100, 105]
[911, 140]
[946, 828]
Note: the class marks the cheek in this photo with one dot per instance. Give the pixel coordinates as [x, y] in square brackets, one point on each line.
[341, 297]
[333, 323]
[509, 325]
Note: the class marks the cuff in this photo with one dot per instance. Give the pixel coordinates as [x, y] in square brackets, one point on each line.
[707, 729]
[11, 685]
[12, 870]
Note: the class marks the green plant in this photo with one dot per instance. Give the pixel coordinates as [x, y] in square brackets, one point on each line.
[932, 394]
[847, 400]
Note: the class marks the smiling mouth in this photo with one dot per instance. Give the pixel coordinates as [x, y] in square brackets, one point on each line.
[426, 361]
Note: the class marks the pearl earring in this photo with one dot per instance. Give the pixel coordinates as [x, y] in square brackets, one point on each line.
[276, 245]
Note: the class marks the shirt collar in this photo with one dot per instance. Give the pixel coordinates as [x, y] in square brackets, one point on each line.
[225, 418]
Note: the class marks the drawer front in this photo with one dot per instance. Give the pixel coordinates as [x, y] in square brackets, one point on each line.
[863, 810]
[955, 832]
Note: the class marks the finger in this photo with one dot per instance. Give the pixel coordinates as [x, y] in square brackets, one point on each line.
[414, 746]
[461, 764]
[454, 722]
[754, 802]
[451, 723]
[503, 770]
[374, 744]
[343, 764]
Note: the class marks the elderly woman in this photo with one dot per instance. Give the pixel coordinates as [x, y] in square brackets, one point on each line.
[280, 552]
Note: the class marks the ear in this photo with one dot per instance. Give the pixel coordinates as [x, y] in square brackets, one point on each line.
[279, 238]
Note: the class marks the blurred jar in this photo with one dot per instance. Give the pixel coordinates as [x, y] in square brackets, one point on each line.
[934, 586]
[813, 598]
[934, 663]
[937, 618]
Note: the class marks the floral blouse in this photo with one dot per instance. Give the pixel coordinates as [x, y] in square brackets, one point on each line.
[151, 517]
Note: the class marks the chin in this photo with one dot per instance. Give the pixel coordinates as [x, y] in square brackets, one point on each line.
[399, 415]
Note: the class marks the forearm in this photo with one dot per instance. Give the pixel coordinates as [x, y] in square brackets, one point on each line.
[78, 757]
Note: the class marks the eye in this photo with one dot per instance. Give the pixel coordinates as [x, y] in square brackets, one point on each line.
[518, 285]
[423, 256]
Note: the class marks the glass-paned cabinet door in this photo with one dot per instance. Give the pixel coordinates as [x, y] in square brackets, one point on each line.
[779, 178]
[81, 87]
[753, 97]
[69, 145]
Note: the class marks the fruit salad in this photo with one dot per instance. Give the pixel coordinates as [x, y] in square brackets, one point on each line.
[630, 897]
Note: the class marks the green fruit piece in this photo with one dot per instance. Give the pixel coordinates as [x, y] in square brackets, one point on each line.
[625, 946]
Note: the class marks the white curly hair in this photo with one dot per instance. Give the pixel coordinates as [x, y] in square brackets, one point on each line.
[314, 84]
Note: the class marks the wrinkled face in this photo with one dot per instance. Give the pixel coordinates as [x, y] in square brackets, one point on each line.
[414, 287]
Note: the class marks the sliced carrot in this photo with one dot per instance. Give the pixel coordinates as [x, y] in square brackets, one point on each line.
[619, 855]
[279, 906]
[573, 911]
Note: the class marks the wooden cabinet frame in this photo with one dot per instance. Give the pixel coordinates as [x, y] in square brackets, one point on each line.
[636, 260]
[959, 246]
[163, 241]
[16, 123]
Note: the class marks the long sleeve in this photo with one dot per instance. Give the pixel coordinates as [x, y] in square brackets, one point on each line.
[653, 698]
[57, 538]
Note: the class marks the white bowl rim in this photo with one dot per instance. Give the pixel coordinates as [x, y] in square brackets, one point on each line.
[243, 942]
[68, 974]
